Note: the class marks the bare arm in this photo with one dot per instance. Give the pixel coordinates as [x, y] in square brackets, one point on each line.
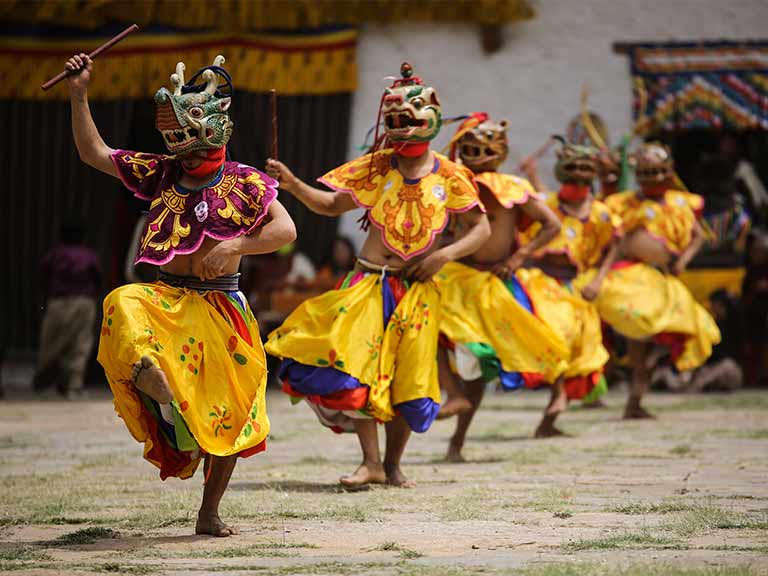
[91, 147]
[697, 241]
[319, 201]
[478, 231]
[273, 235]
[279, 231]
[537, 210]
[591, 290]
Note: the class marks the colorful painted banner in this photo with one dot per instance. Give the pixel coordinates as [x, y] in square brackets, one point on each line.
[684, 86]
[293, 64]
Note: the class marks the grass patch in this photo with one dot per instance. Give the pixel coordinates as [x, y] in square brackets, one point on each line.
[85, 536]
[23, 554]
[681, 450]
[748, 400]
[553, 500]
[700, 519]
[578, 569]
[626, 540]
[563, 514]
[404, 553]
[260, 549]
[643, 508]
[115, 568]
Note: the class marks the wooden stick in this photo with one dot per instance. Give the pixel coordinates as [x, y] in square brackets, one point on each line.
[273, 99]
[103, 48]
[538, 154]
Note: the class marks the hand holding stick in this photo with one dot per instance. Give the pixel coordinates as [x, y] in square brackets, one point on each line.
[103, 48]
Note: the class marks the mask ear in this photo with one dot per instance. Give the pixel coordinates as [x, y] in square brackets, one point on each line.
[503, 124]
[433, 99]
[224, 103]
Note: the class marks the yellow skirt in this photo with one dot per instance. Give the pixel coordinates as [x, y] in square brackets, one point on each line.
[479, 308]
[369, 346]
[573, 319]
[208, 346]
[640, 303]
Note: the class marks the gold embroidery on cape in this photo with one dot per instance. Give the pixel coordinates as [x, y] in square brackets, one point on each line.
[137, 162]
[173, 200]
[225, 185]
[230, 212]
[412, 197]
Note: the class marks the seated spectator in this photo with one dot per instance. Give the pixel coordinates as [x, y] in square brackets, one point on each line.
[754, 296]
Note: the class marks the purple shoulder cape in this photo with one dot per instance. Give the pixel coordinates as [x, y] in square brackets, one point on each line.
[179, 219]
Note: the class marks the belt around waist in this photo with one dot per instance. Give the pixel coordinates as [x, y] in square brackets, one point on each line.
[230, 283]
[365, 266]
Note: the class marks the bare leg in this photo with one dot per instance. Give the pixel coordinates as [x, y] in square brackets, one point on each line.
[475, 391]
[398, 433]
[558, 402]
[218, 470]
[456, 403]
[148, 378]
[370, 471]
[641, 379]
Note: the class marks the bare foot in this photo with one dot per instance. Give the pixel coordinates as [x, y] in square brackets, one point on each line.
[547, 428]
[212, 524]
[453, 407]
[148, 378]
[637, 412]
[594, 404]
[557, 405]
[454, 454]
[395, 477]
[364, 475]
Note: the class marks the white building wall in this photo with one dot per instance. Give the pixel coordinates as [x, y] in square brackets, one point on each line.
[534, 81]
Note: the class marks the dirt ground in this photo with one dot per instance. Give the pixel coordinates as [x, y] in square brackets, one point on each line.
[685, 495]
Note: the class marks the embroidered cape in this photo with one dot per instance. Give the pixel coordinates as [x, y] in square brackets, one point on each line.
[582, 241]
[179, 219]
[409, 213]
[508, 189]
[670, 219]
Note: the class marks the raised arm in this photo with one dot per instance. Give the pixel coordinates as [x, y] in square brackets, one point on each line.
[319, 201]
[478, 231]
[530, 168]
[91, 147]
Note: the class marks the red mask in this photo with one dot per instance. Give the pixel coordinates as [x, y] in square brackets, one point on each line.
[571, 192]
[410, 149]
[655, 191]
[210, 165]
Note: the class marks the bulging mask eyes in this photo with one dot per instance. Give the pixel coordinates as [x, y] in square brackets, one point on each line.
[417, 103]
[196, 112]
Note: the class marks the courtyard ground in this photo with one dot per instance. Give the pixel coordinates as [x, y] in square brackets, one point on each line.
[684, 495]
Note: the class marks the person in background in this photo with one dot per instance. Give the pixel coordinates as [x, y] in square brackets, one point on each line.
[342, 258]
[754, 298]
[722, 370]
[72, 279]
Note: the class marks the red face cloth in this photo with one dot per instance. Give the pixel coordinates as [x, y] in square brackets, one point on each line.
[574, 192]
[410, 149]
[212, 162]
[655, 191]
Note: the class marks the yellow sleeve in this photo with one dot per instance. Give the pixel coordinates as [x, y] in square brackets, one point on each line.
[360, 177]
[462, 191]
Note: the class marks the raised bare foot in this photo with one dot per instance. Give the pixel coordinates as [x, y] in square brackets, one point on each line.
[148, 378]
[395, 477]
[637, 412]
[364, 475]
[557, 405]
[453, 407]
[454, 454]
[212, 524]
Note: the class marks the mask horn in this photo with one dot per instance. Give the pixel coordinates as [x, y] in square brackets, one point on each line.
[219, 60]
[177, 79]
[210, 79]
